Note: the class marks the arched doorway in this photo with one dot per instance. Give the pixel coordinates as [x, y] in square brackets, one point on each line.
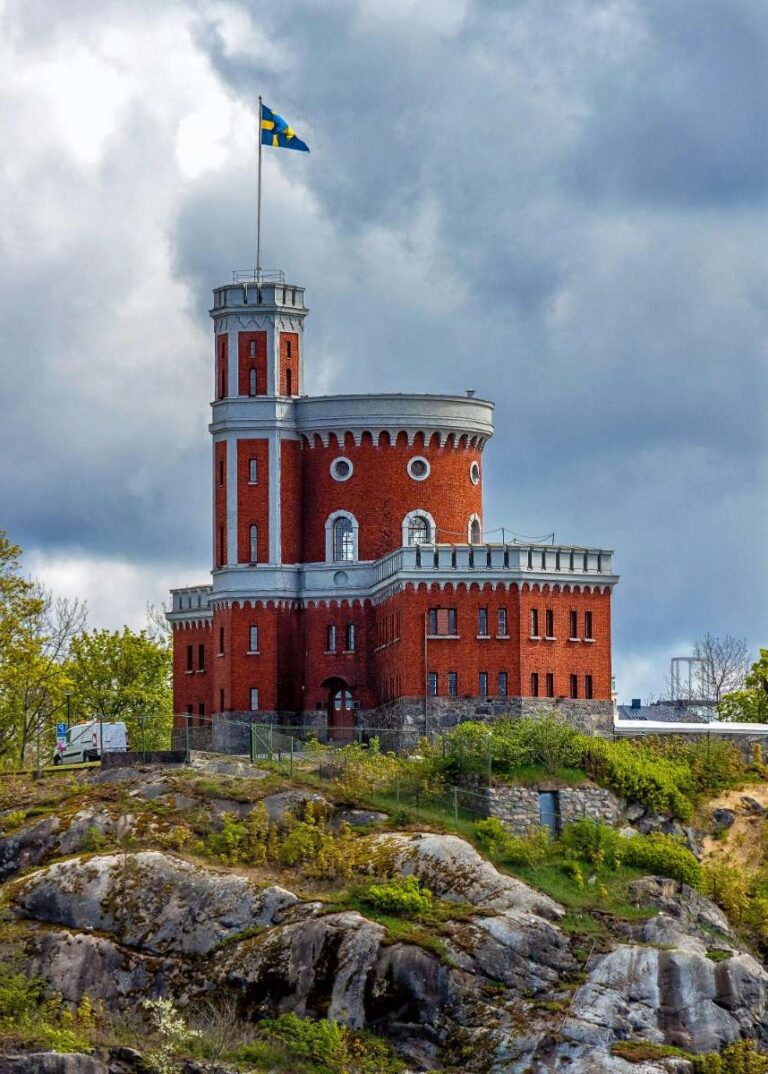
[341, 712]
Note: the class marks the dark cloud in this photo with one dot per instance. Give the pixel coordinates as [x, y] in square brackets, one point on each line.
[559, 205]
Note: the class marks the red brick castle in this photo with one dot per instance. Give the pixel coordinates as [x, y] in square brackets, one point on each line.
[351, 581]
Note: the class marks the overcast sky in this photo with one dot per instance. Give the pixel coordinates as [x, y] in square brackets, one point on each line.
[562, 205]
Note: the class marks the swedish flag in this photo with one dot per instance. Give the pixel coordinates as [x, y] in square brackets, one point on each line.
[276, 132]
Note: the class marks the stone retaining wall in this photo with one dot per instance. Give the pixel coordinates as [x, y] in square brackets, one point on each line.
[518, 807]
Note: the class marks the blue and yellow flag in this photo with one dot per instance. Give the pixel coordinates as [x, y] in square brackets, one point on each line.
[276, 132]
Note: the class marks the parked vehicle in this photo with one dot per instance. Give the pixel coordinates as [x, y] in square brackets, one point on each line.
[83, 742]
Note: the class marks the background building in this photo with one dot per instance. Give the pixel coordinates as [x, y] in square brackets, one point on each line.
[351, 582]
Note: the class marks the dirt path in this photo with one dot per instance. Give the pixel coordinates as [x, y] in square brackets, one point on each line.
[745, 841]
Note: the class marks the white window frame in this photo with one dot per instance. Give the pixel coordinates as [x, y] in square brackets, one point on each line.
[329, 522]
[254, 696]
[253, 543]
[334, 465]
[418, 477]
[419, 513]
[253, 471]
[253, 637]
[472, 520]
[474, 472]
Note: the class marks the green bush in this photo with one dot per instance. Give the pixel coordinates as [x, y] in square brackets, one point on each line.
[664, 856]
[640, 775]
[532, 849]
[589, 841]
[403, 895]
[598, 844]
[329, 1047]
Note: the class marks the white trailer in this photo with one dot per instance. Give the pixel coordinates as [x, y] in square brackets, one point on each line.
[83, 742]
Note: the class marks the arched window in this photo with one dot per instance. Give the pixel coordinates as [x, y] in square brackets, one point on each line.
[475, 531]
[419, 530]
[343, 540]
[253, 544]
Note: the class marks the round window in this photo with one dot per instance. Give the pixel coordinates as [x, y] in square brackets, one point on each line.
[341, 469]
[418, 468]
[474, 473]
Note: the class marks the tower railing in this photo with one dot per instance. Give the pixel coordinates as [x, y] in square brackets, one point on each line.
[254, 276]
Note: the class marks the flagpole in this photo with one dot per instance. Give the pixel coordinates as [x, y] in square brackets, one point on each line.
[258, 206]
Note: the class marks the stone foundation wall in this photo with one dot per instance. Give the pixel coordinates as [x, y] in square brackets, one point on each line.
[518, 807]
[593, 717]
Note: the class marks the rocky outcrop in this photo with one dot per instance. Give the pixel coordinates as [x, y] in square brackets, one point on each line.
[453, 869]
[125, 926]
[151, 901]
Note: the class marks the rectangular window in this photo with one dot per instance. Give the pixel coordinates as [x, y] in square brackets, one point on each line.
[221, 641]
[252, 349]
[534, 622]
[502, 622]
[254, 699]
[222, 550]
[432, 683]
[351, 640]
[573, 628]
[482, 622]
[190, 709]
[288, 348]
[253, 544]
[253, 381]
[221, 471]
[253, 639]
[190, 657]
[201, 709]
[502, 684]
[550, 623]
[534, 684]
[588, 687]
[442, 621]
[453, 683]
[550, 684]
[574, 685]
[201, 658]
[330, 638]
[288, 382]
[483, 684]
[588, 625]
[253, 471]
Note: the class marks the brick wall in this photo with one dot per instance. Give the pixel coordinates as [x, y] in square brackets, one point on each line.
[290, 500]
[252, 500]
[220, 502]
[289, 364]
[380, 493]
[246, 343]
[192, 687]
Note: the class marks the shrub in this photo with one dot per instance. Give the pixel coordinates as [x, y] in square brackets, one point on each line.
[590, 841]
[662, 855]
[172, 1035]
[403, 895]
[714, 764]
[531, 849]
[330, 1047]
[95, 840]
[729, 886]
[640, 775]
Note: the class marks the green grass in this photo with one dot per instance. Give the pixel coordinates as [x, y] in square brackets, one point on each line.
[642, 1051]
[536, 775]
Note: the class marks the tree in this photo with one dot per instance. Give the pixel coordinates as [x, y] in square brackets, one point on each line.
[124, 676]
[749, 704]
[34, 683]
[724, 664]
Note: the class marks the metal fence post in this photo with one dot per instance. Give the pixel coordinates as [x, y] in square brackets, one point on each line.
[455, 803]
[291, 755]
[490, 760]
[186, 734]
[271, 749]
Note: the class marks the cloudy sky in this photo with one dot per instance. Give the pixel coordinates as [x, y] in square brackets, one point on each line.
[563, 205]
